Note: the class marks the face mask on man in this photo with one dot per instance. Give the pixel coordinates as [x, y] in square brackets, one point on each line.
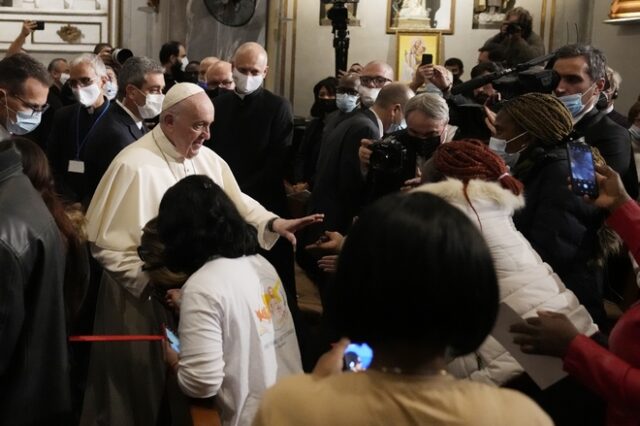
[63, 78]
[635, 132]
[203, 84]
[88, 95]
[574, 102]
[246, 84]
[395, 127]
[110, 90]
[183, 63]
[346, 102]
[498, 146]
[152, 105]
[368, 95]
[25, 121]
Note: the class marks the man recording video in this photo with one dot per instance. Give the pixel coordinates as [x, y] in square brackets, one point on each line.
[393, 162]
[516, 39]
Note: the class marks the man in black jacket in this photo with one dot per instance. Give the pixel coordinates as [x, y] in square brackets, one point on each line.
[252, 132]
[34, 381]
[582, 77]
[140, 86]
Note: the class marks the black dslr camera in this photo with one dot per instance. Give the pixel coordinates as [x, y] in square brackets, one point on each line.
[388, 156]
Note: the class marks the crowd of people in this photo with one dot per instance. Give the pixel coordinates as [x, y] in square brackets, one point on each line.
[152, 214]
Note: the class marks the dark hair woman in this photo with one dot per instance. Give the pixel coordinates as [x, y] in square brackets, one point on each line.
[415, 281]
[236, 330]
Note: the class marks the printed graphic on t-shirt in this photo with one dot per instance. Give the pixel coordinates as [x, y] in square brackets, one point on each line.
[274, 308]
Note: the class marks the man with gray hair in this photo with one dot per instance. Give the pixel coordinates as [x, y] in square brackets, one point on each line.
[74, 125]
[582, 71]
[140, 86]
[427, 118]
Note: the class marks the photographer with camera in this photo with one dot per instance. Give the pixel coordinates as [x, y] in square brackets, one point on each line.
[516, 39]
[394, 162]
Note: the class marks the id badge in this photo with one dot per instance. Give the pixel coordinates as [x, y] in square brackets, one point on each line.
[76, 166]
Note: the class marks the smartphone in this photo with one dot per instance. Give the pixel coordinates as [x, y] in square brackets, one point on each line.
[39, 25]
[583, 173]
[427, 59]
[173, 339]
[357, 357]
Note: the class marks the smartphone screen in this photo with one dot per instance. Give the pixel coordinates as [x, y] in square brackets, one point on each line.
[583, 174]
[357, 357]
[427, 59]
[39, 25]
[173, 340]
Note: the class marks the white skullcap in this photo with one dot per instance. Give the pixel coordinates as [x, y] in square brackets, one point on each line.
[179, 92]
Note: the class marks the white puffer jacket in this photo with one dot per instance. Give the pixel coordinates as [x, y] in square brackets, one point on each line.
[527, 284]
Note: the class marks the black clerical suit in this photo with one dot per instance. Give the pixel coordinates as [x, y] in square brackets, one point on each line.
[339, 184]
[112, 134]
[253, 135]
[73, 127]
[614, 143]
[619, 119]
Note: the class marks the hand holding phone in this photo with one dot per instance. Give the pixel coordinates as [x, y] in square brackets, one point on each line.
[173, 340]
[39, 25]
[583, 174]
[427, 59]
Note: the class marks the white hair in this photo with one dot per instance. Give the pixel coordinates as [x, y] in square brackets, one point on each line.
[430, 104]
[93, 61]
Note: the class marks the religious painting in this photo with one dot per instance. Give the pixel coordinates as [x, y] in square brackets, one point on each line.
[420, 16]
[411, 47]
[352, 13]
[490, 14]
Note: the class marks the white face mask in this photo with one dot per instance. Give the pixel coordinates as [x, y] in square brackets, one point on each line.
[368, 95]
[246, 84]
[184, 62]
[498, 146]
[63, 78]
[635, 132]
[152, 105]
[110, 90]
[87, 96]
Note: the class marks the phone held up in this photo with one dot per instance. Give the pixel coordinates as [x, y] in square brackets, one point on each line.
[427, 59]
[582, 168]
[357, 357]
[173, 339]
[39, 25]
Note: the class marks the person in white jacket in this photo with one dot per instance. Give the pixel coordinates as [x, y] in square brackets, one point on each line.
[477, 182]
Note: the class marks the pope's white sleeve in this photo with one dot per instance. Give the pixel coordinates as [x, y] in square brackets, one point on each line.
[125, 267]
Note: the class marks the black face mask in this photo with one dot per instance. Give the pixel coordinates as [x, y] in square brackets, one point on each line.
[322, 107]
[481, 98]
[214, 93]
[603, 102]
[424, 147]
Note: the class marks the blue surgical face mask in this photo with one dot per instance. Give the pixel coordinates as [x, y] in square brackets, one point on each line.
[25, 121]
[110, 90]
[574, 102]
[346, 102]
[395, 127]
[498, 146]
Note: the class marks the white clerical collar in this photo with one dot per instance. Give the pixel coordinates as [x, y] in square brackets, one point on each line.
[4, 133]
[165, 145]
[380, 125]
[608, 110]
[131, 114]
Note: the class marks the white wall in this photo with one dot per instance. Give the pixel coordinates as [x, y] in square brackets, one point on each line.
[620, 45]
[314, 56]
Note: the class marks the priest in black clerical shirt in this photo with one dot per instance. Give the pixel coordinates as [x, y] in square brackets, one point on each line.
[74, 125]
[252, 132]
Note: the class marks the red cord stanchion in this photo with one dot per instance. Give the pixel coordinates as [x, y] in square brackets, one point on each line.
[117, 338]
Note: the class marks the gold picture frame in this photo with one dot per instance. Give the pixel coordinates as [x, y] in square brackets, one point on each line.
[421, 16]
[409, 50]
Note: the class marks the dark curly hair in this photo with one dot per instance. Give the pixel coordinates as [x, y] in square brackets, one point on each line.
[197, 221]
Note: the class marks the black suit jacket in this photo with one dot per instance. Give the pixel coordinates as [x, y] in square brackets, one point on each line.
[111, 135]
[619, 119]
[614, 143]
[339, 189]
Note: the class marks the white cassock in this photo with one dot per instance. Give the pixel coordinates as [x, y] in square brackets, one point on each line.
[126, 380]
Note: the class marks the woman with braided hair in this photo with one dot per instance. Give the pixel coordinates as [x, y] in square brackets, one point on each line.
[478, 183]
[558, 224]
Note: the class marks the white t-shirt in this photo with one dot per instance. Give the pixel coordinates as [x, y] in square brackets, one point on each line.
[237, 335]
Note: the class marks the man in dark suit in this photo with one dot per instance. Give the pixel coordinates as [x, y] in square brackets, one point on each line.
[582, 71]
[140, 86]
[252, 132]
[73, 126]
[609, 96]
[339, 187]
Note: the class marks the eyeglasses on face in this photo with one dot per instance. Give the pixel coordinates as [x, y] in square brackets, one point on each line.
[377, 80]
[33, 107]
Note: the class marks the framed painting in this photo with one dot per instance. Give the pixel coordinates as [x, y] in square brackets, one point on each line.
[411, 47]
[420, 16]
